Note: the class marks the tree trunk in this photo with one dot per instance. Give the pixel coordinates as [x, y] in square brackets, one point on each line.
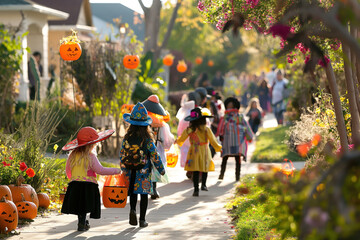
[338, 109]
[152, 26]
[355, 71]
[355, 121]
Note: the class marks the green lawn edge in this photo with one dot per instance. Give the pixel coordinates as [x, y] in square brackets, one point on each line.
[270, 146]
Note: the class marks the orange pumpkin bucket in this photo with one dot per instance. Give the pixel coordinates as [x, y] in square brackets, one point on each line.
[172, 156]
[114, 194]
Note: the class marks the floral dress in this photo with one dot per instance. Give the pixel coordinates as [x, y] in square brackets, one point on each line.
[199, 155]
[143, 184]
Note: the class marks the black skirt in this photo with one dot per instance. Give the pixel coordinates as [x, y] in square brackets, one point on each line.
[82, 198]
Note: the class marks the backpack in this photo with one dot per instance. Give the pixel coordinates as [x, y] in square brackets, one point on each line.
[134, 155]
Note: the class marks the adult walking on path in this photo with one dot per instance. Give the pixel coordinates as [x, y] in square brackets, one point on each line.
[174, 216]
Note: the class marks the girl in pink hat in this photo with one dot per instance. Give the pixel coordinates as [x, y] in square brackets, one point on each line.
[82, 195]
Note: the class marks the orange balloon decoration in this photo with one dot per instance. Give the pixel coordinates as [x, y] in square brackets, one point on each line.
[168, 60]
[198, 60]
[181, 66]
[131, 61]
[210, 63]
[70, 49]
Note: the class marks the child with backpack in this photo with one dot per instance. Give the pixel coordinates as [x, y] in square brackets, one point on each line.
[82, 195]
[138, 155]
[234, 132]
[199, 155]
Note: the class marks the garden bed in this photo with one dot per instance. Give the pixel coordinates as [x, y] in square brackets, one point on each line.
[270, 146]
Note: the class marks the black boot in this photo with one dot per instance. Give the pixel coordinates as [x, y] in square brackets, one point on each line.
[223, 168]
[155, 194]
[238, 168]
[83, 224]
[132, 218]
[203, 181]
[196, 184]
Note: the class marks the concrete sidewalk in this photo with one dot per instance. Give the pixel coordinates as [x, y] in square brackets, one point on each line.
[176, 215]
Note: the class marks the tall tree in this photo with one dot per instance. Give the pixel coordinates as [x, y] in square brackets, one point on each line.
[152, 26]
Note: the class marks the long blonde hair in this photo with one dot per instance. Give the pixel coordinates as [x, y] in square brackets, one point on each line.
[256, 100]
[81, 156]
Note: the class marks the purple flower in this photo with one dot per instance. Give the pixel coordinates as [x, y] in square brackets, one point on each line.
[280, 30]
[201, 6]
[220, 24]
[252, 3]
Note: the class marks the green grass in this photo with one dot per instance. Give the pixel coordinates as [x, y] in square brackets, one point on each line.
[270, 147]
[250, 212]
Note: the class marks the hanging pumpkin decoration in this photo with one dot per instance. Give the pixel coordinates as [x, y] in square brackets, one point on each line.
[168, 60]
[210, 63]
[70, 49]
[8, 216]
[28, 191]
[5, 192]
[181, 66]
[131, 61]
[26, 209]
[198, 60]
[114, 196]
[44, 200]
[126, 108]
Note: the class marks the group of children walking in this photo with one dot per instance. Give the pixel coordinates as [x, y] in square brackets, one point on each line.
[143, 152]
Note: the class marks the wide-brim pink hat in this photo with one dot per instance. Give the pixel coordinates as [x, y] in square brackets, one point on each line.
[86, 136]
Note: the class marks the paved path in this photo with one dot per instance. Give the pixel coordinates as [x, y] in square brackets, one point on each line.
[176, 215]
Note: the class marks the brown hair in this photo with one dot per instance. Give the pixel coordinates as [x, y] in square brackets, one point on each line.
[141, 132]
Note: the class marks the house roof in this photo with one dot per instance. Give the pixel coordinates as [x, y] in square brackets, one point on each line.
[73, 8]
[109, 11]
[27, 5]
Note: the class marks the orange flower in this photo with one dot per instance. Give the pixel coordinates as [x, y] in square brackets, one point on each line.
[303, 149]
[316, 139]
[30, 172]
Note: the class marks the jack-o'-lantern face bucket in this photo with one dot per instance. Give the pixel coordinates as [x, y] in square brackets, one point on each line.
[70, 51]
[114, 196]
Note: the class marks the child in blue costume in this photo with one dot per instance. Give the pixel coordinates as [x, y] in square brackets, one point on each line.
[140, 134]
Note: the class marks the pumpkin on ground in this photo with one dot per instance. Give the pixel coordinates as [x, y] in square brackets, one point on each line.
[44, 200]
[26, 209]
[8, 216]
[131, 61]
[114, 196]
[26, 189]
[5, 192]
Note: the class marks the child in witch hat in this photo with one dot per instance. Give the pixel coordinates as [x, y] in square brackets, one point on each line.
[139, 137]
[163, 136]
[82, 195]
[199, 156]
